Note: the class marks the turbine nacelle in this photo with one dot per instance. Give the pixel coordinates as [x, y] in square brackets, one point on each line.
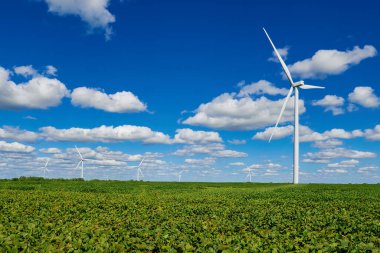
[298, 84]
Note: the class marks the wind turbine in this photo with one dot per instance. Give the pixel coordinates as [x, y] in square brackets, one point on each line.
[45, 167]
[180, 175]
[293, 86]
[81, 162]
[139, 172]
[249, 174]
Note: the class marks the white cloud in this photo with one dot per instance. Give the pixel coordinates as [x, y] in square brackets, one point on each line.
[315, 160]
[324, 170]
[331, 103]
[212, 149]
[205, 162]
[25, 71]
[364, 96]
[50, 150]
[15, 147]
[30, 117]
[261, 87]
[237, 142]
[331, 62]
[17, 134]
[280, 133]
[228, 153]
[237, 164]
[344, 164]
[38, 93]
[93, 12]
[267, 169]
[282, 51]
[120, 102]
[231, 113]
[368, 169]
[329, 143]
[372, 134]
[190, 136]
[105, 134]
[340, 152]
[51, 70]
[307, 134]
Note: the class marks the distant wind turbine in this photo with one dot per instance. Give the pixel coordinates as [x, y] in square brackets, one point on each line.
[81, 162]
[139, 171]
[180, 175]
[293, 86]
[249, 175]
[45, 167]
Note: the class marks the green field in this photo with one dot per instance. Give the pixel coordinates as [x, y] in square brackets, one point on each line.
[109, 216]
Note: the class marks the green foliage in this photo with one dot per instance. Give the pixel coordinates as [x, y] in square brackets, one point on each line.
[111, 216]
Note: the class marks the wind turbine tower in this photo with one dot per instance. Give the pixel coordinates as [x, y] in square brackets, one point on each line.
[139, 171]
[293, 86]
[249, 175]
[81, 162]
[45, 167]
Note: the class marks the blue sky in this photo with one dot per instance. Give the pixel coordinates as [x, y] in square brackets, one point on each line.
[192, 86]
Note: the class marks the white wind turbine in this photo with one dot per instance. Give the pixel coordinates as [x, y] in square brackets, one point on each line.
[45, 167]
[293, 86]
[81, 162]
[249, 175]
[139, 171]
[180, 175]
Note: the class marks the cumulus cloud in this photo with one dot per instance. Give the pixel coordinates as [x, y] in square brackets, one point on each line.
[38, 93]
[15, 147]
[280, 133]
[307, 134]
[326, 170]
[230, 112]
[315, 160]
[344, 164]
[267, 169]
[261, 87]
[331, 62]
[212, 149]
[237, 142]
[331, 103]
[50, 150]
[93, 12]
[329, 143]
[368, 169]
[105, 134]
[25, 71]
[364, 96]
[51, 70]
[372, 134]
[237, 164]
[205, 162]
[282, 51]
[190, 136]
[229, 153]
[339, 152]
[15, 133]
[120, 102]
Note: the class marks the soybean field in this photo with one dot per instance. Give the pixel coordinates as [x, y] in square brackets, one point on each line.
[39, 215]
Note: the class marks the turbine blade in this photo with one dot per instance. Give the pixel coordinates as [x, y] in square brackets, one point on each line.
[141, 173]
[282, 111]
[47, 161]
[286, 70]
[308, 87]
[78, 164]
[141, 162]
[79, 152]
